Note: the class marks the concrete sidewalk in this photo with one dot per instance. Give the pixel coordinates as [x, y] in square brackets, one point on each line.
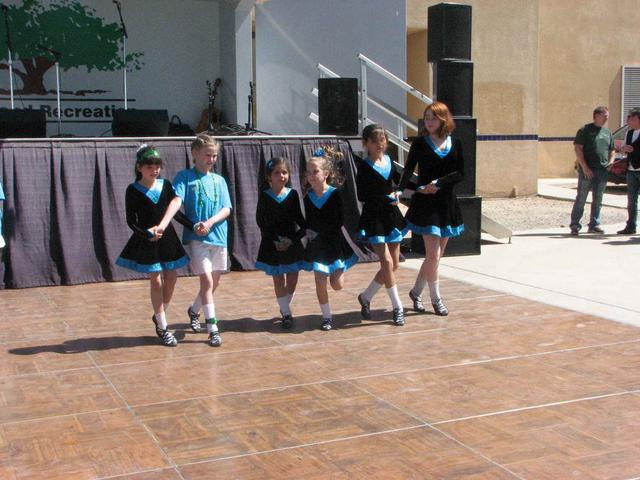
[594, 274]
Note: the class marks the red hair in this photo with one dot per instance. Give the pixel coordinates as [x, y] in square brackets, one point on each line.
[442, 113]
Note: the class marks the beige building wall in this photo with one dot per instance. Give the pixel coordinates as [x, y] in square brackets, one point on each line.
[583, 45]
[540, 67]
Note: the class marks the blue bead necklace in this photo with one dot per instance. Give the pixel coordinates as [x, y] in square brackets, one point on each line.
[202, 191]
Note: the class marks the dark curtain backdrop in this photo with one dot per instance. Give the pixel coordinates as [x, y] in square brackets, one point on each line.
[64, 213]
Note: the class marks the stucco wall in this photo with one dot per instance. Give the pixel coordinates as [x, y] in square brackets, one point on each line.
[583, 45]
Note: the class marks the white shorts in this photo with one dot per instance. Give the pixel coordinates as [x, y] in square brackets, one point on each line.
[207, 258]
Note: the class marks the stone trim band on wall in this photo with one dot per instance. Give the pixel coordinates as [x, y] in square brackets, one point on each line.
[502, 138]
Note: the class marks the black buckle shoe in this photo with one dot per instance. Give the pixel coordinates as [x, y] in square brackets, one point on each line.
[194, 320]
[596, 229]
[418, 306]
[627, 231]
[326, 324]
[165, 335]
[287, 322]
[440, 308]
[398, 317]
[365, 308]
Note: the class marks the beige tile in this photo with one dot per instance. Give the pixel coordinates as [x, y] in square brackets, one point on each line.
[210, 428]
[81, 447]
[58, 393]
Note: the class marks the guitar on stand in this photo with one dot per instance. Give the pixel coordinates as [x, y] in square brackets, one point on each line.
[210, 118]
[213, 93]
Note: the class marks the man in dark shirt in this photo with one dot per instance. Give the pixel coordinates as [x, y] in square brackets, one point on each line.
[632, 148]
[595, 153]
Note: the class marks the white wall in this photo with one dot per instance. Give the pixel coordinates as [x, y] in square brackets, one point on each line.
[292, 36]
[180, 42]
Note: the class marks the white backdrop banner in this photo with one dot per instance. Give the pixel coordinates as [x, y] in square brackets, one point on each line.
[172, 49]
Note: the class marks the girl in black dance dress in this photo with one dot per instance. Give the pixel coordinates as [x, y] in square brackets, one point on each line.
[282, 226]
[150, 249]
[434, 212]
[328, 254]
[381, 222]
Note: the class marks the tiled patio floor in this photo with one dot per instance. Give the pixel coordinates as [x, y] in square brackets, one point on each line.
[503, 388]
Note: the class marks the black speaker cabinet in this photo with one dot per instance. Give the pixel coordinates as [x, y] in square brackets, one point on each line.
[469, 242]
[140, 123]
[22, 123]
[338, 106]
[466, 132]
[453, 85]
[449, 32]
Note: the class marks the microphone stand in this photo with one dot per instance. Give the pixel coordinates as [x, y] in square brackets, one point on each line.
[123, 29]
[57, 57]
[5, 11]
[249, 125]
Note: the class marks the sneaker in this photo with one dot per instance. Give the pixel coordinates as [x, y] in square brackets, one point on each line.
[627, 231]
[575, 231]
[365, 308]
[287, 322]
[194, 320]
[326, 324]
[214, 339]
[440, 308]
[165, 335]
[418, 306]
[595, 229]
[398, 316]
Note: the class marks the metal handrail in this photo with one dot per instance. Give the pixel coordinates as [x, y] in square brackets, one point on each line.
[398, 81]
[401, 119]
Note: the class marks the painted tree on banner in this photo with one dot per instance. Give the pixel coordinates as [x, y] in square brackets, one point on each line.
[65, 26]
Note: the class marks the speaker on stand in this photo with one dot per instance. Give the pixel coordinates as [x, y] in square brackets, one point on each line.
[22, 123]
[338, 106]
[140, 123]
[449, 32]
[453, 85]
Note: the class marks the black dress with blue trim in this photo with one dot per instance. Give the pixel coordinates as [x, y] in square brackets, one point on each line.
[145, 209]
[280, 216]
[438, 213]
[329, 251]
[380, 220]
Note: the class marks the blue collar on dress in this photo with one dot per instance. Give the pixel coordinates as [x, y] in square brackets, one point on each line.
[319, 201]
[384, 170]
[437, 151]
[152, 193]
[279, 198]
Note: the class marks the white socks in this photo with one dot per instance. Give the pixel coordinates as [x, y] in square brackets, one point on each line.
[371, 290]
[325, 308]
[210, 317]
[395, 298]
[283, 303]
[161, 320]
[418, 287]
[434, 291]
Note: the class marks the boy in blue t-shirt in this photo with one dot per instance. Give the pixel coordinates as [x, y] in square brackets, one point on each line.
[206, 201]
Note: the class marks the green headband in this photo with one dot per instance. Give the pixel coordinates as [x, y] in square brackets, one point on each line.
[150, 153]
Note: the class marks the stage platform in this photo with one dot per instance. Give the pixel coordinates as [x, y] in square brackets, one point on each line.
[64, 215]
[503, 388]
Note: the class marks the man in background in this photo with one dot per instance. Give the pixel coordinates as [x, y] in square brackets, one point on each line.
[595, 153]
[632, 148]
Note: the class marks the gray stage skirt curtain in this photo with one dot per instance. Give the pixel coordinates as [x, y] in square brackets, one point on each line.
[64, 213]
